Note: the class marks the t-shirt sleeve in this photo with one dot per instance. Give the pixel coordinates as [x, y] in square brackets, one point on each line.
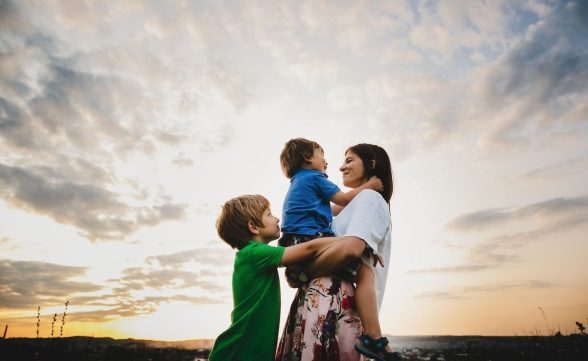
[266, 256]
[370, 219]
[325, 188]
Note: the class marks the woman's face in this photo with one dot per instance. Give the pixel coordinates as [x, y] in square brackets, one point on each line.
[353, 170]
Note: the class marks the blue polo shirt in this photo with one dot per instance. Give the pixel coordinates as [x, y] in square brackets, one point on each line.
[307, 207]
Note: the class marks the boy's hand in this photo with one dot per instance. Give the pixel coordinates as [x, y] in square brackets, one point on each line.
[376, 184]
[377, 259]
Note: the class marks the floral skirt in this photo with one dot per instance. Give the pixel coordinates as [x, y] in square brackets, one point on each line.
[323, 323]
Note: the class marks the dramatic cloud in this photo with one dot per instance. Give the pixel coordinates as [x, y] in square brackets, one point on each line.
[540, 81]
[83, 95]
[95, 211]
[132, 307]
[28, 284]
[482, 82]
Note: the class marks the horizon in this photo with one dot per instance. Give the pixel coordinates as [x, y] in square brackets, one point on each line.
[125, 126]
[213, 339]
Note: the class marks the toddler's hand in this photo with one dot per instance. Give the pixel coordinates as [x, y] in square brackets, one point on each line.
[376, 184]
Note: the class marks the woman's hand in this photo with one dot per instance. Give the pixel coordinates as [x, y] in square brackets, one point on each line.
[377, 259]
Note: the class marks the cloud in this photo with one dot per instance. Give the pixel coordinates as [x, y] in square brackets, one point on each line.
[560, 169]
[134, 307]
[553, 209]
[139, 290]
[97, 212]
[27, 284]
[205, 256]
[505, 248]
[472, 291]
[508, 230]
[453, 269]
[444, 28]
[491, 74]
[158, 279]
[345, 98]
[168, 271]
[84, 91]
[538, 81]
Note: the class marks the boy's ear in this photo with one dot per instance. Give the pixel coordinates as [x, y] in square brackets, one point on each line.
[252, 228]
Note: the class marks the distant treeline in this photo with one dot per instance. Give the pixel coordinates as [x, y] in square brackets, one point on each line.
[81, 348]
[432, 348]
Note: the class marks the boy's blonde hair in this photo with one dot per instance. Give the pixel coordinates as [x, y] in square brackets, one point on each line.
[236, 213]
[296, 153]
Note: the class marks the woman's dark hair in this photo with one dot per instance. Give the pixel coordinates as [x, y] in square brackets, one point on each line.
[381, 169]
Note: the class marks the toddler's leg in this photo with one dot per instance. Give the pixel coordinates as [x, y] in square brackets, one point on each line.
[367, 303]
[339, 253]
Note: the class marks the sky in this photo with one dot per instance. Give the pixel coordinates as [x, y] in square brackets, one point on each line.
[125, 125]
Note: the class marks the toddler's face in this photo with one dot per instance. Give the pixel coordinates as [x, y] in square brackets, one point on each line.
[318, 162]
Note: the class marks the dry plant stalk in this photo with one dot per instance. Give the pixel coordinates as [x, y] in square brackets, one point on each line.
[63, 319]
[53, 323]
[549, 330]
[38, 319]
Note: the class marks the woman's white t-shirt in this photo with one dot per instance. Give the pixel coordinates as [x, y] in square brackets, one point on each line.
[367, 217]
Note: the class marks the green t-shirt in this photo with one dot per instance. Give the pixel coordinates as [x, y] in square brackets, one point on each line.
[255, 319]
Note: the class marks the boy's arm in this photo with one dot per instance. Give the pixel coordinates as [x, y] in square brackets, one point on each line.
[343, 198]
[343, 251]
[337, 246]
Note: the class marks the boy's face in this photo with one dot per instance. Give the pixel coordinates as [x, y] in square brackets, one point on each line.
[318, 162]
[271, 227]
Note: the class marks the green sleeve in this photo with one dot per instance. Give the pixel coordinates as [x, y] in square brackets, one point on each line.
[266, 256]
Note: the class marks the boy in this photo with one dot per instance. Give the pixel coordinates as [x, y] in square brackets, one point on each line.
[247, 224]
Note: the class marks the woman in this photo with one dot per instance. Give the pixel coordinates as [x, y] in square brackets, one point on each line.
[323, 322]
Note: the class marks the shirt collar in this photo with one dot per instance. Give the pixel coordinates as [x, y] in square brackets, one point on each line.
[306, 170]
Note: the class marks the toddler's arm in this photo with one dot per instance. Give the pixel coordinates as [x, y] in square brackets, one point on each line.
[336, 209]
[339, 251]
[343, 198]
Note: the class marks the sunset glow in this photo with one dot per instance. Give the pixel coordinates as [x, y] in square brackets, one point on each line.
[125, 125]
